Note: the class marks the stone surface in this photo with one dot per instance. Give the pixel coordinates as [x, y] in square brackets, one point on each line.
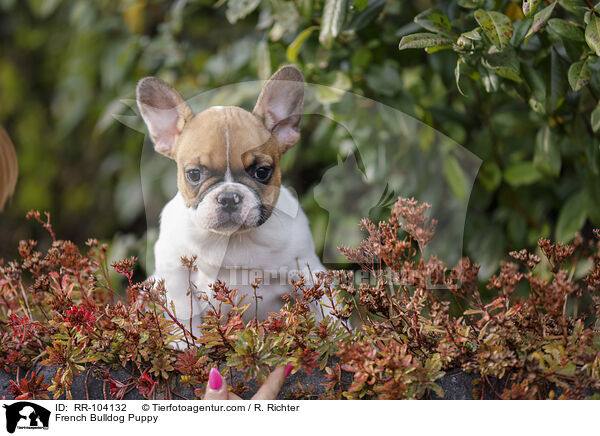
[457, 385]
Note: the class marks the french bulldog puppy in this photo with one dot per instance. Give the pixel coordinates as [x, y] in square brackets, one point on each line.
[231, 210]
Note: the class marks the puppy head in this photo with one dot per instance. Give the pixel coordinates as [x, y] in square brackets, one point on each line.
[227, 157]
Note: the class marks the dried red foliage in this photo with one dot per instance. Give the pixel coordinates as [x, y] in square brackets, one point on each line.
[530, 332]
[31, 387]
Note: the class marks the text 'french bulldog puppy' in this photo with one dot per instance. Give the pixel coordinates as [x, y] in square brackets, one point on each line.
[230, 210]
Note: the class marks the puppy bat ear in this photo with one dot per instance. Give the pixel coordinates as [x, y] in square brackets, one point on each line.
[164, 111]
[279, 105]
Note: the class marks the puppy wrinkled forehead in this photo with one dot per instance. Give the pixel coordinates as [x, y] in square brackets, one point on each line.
[221, 135]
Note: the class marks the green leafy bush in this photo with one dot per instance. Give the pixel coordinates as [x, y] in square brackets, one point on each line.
[544, 54]
[65, 66]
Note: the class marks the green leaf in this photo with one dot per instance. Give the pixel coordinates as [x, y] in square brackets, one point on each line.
[592, 33]
[435, 21]
[595, 118]
[263, 59]
[43, 8]
[424, 40]
[384, 79]
[437, 48]
[520, 29]
[497, 27]
[530, 6]
[563, 29]
[576, 7]
[286, 19]
[455, 177]
[592, 153]
[533, 77]
[473, 35]
[437, 389]
[294, 48]
[539, 20]
[238, 9]
[485, 245]
[336, 86]
[371, 12]
[573, 50]
[361, 4]
[305, 8]
[592, 184]
[470, 4]
[522, 173]
[361, 59]
[462, 69]
[334, 15]
[490, 176]
[571, 218]
[466, 41]
[558, 82]
[490, 80]
[546, 155]
[504, 64]
[517, 228]
[580, 74]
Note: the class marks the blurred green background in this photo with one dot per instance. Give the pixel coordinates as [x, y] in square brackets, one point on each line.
[66, 65]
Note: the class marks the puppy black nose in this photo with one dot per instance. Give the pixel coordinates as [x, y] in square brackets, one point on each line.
[229, 201]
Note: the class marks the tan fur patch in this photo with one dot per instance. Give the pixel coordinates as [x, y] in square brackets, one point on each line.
[203, 143]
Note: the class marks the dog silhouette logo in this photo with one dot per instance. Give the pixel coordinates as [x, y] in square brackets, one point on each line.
[26, 415]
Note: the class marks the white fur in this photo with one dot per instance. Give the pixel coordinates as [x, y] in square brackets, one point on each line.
[282, 245]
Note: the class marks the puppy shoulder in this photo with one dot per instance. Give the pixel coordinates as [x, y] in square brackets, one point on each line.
[287, 202]
[173, 214]
[298, 233]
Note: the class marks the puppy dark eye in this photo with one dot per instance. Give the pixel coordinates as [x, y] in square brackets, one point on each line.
[263, 174]
[194, 175]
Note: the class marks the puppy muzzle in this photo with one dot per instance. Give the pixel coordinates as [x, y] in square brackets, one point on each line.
[230, 207]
